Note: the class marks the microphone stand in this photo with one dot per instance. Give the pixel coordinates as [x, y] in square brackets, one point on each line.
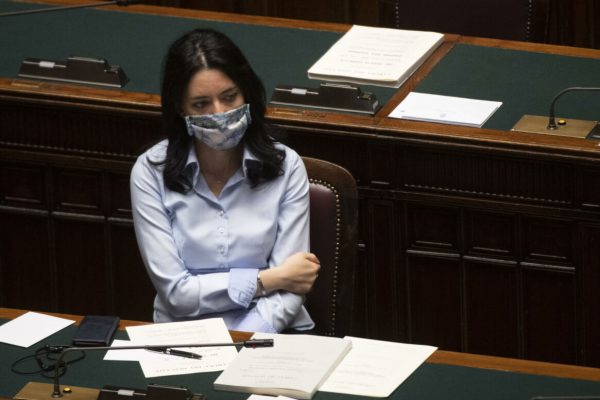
[551, 119]
[253, 343]
[41, 10]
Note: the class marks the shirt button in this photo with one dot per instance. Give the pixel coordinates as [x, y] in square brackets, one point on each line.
[221, 249]
[221, 230]
[221, 213]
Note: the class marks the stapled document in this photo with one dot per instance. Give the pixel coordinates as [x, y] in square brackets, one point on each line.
[204, 331]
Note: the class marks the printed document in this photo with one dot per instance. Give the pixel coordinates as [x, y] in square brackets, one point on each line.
[375, 56]
[445, 109]
[295, 366]
[375, 368]
[31, 327]
[134, 354]
[197, 332]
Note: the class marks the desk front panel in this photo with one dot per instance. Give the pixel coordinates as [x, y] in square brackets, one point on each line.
[471, 240]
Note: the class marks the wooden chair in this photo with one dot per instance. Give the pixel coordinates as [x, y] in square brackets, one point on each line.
[333, 238]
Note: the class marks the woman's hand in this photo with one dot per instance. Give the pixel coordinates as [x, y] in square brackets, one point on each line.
[297, 274]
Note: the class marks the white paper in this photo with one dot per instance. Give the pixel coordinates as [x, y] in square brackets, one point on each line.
[375, 368]
[265, 397]
[295, 366]
[30, 328]
[203, 331]
[132, 354]
[377, 56]
[445, 109]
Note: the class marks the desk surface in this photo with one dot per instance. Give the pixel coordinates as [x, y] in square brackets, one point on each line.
[524, 77]
[445, 375]
[123, 38]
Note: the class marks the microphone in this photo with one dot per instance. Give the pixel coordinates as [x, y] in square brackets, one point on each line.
[63, 350]
[49, 9]
[551, 119]
[563, 127]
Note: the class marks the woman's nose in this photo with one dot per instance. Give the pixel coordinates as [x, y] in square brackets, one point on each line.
[219, 107]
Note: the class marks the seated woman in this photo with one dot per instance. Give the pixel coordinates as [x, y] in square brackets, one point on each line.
[220, 208]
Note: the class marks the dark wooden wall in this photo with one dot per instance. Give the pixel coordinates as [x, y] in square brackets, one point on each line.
[572, 23]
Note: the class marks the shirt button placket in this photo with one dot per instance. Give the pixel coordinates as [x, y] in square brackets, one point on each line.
[222, 237]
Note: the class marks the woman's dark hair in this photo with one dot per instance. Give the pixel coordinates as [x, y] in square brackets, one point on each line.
[203, 49]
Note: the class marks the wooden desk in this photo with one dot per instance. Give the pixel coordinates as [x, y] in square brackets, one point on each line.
[478, 363]
[477, 240]
[438, 357]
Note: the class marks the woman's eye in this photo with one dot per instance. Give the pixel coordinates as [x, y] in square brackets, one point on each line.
[230, 98]
[199, 105]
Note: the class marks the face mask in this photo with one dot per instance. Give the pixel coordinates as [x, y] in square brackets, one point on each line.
[220, 131]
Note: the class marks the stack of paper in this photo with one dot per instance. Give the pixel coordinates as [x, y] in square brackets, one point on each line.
[375, 368]
[445, 109]
[299, 365]
[375, 56]
[296, 366]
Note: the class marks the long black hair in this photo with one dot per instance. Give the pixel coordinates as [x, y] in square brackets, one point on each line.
[199, 50]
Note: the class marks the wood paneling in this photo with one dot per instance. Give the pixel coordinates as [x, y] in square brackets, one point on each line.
[435, 299]
[26, 261]
[492, 312]
[570, 23]
[589, 299]
[383, 280]
[82, 278]
[133, 293]
[549, 315]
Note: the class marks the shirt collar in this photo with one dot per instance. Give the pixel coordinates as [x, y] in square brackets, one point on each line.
[192, 167]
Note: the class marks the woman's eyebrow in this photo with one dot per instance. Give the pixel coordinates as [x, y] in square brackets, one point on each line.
[231, 89]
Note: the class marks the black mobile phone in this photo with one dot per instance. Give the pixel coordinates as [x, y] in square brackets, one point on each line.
[96, 330]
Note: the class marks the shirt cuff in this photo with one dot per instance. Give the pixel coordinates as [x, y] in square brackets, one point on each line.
[242, 285]
[253, 322]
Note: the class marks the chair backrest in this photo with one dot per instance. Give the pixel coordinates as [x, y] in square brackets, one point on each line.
[333, 238]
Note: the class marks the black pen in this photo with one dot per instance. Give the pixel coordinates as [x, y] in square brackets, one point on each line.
[175, 352]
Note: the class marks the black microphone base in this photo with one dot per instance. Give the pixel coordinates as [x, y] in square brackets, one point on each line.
[565, 127]
[43, 391]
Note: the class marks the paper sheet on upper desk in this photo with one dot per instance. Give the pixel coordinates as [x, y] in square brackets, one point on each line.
[30, 328]
[445, 109]
[375, 368]
[375, 56]
[203, 331]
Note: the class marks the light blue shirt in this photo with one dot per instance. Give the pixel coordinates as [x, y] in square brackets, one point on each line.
[203, 252]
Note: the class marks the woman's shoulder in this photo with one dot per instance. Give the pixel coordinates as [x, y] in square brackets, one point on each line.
[292, 164]
[149, 164]
[291, 156]
[155, 154]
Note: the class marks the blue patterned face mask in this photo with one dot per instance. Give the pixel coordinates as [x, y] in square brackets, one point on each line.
[220, 131]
